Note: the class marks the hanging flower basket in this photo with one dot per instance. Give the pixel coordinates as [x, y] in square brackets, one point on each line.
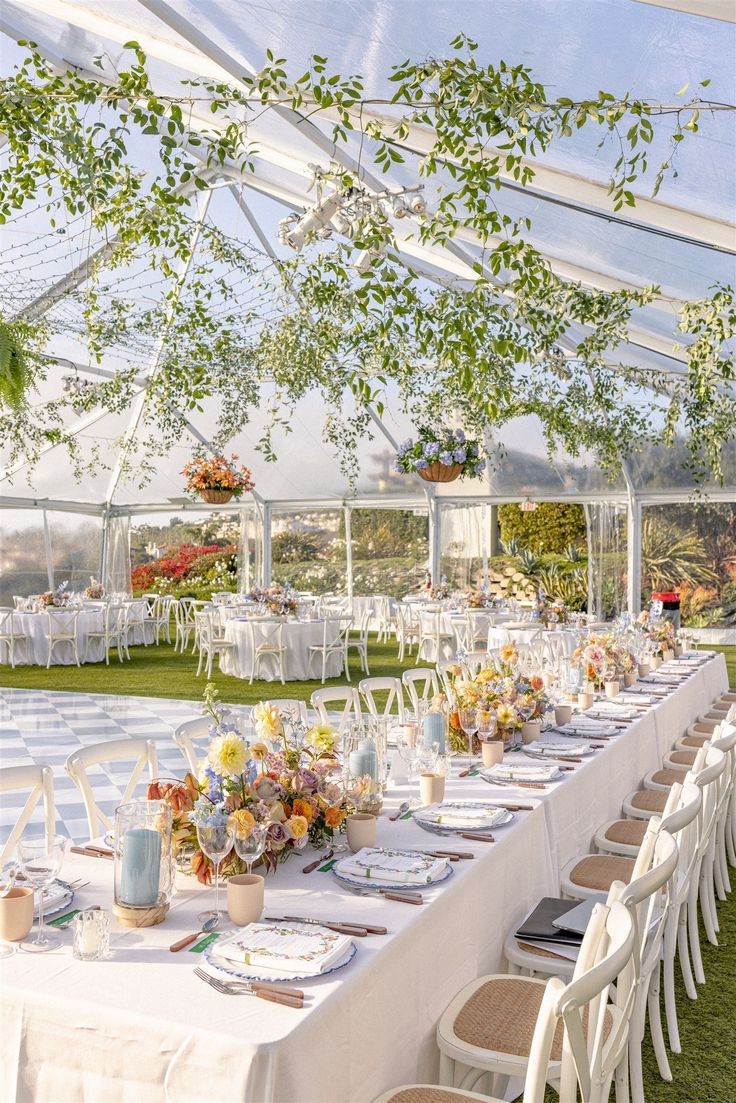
[441, 456]
[441, 472]
[216, 497]
[217, 479]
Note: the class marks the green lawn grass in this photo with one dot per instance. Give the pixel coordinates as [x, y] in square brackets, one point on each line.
[705, 1072]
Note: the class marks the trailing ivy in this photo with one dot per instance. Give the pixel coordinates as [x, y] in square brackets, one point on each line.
[484, 349]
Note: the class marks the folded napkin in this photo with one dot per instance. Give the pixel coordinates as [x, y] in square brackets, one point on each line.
[502, 772]
[457, 815]
[404, 867]
[53, 895]
[662, 679]
[613, 712]
[287, 948]
[587, 725]
[637, 697]
[553, 749]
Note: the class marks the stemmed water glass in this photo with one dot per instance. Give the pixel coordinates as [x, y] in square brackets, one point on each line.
[216, 842]
[487, 723]
[8, 874]
[406, 744]
[469, 723]
[40, 858]
[250, 847]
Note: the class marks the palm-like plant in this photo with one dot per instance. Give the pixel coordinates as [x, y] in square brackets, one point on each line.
[511, 546]
[671, 556]
[529, 563]
[573, 554]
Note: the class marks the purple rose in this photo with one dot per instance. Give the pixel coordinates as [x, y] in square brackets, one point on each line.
[308, 781]
[279, 833]
[460, 455]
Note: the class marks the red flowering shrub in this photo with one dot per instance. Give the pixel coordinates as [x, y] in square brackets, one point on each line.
[182, 562]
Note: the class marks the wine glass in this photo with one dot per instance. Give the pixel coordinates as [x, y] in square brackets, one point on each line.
[8, 874]
[216, 842]
[406, 745]
[487, 723]
[469, 723]
[40, 858]
[250, 847]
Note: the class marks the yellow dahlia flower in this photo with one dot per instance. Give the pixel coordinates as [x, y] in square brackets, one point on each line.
[267, 720]
[228, 755]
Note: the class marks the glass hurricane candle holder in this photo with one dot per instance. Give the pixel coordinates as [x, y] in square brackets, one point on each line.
[91, 936]
[143, 862]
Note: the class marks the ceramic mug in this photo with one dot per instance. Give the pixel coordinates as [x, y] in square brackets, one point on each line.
[245, 898]
[16, 914]
[612, 688]
[431, 788]
[361, 830]
[629, 680]
[585, 701]
[563, 715]
[531, 731]
[656, 662]
[492, 751]
[644, 669]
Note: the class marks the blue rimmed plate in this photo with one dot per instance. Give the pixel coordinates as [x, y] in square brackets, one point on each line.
[500, 818]
[394, 886]
[61, 905]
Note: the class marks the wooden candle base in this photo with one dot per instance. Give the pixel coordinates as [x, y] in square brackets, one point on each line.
[140, 917]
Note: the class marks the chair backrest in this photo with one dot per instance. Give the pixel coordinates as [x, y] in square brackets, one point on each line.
[185, 737]
[443, 668]
[62, 621]
[142, 751]
[655, 867]
[39, 781]
[708, 780]
[345, 695]
[590, 1053]
[265, 632]
[421, 683]
[392, 687]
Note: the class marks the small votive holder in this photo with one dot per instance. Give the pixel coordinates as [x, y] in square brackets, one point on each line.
[91, 936]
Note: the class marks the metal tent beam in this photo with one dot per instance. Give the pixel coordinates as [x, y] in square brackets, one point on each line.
[724, 10]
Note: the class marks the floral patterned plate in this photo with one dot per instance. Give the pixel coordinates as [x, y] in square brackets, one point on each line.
[256, 972]
[395, 886]
[500, 818]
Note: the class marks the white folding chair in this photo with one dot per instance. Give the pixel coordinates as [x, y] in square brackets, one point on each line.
[360, 642]
[434, 640]
[266, 639]
[11, 637]
[63, 628]
[109, 635]
[346, 696]
[407, 628]
[394, 690]
[141, 751]
[210, 638]
[508, 1025]
[187, 737]
[39, 782]
[421, 684]
[335, 632]
[386, 617]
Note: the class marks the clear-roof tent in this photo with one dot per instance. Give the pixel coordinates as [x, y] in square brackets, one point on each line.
[683, 239]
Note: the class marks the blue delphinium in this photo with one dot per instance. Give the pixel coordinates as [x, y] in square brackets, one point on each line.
[473, 450]
[479, 468]
[431, 449]
[446, 457]
[460, 436]
[420, 464]
[460, 455]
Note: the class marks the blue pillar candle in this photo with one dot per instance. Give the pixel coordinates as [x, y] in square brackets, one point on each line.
[141, 865]
[363, 761]
[434, 731]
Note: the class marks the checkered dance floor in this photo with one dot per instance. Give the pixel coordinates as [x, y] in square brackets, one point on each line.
[45, 728]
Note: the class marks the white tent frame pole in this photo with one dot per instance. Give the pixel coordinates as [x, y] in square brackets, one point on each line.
[48, 550]
[104, 545]
[633, 554]
[589, 545]
[139, 403]
[348, 553]
[266, 564]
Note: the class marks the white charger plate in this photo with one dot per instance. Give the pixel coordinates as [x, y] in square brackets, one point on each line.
[257, 972]
[394, 886]
[500, 819]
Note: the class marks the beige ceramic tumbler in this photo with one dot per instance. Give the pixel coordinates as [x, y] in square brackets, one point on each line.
[16, 914]
[492, 751]
[245, 898]
[431, 788]
[563, 715]
[612, 688]
[361, 830]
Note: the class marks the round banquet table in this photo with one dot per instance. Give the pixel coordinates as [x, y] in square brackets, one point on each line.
[298, 637]
[36, 627]
[522, 635]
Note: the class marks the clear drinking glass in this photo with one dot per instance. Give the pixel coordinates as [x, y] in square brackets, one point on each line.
[216, 842]
[250, 847]
[469, 723]
[41, 858]
[8, 874]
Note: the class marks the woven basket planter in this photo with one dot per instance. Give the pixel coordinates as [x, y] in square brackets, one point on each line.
[216, 497]
[440, 472]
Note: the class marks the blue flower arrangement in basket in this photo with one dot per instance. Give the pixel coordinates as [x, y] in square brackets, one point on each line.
[441, 457]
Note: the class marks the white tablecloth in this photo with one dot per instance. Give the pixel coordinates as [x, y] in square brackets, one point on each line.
[298, 637]
[142, 1027]
[36, 627]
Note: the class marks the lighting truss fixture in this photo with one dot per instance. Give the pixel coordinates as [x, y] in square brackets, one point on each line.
[343, 210]
[76, 386]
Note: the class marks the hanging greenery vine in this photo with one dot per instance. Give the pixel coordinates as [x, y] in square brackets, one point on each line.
[484, 345]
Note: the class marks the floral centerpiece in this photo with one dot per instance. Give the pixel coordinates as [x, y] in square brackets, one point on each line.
[660, 631]
[603, 657]
[498, 686]
[441, 592]
[277, 599]
[58, 597]
[441, 456]
[95, 590]
[477, 599]
[217, 479]
[552, 613]
[285, 779]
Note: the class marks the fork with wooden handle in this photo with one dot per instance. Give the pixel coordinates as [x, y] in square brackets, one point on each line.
[247, 988]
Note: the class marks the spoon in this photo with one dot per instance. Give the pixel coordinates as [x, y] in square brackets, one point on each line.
[207, 926]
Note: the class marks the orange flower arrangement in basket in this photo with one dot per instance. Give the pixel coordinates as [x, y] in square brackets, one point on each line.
[218, 479]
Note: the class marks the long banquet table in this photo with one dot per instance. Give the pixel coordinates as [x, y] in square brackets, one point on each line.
[142, 1027]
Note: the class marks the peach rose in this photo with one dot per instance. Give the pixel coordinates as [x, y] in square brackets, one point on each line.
[334, 816]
